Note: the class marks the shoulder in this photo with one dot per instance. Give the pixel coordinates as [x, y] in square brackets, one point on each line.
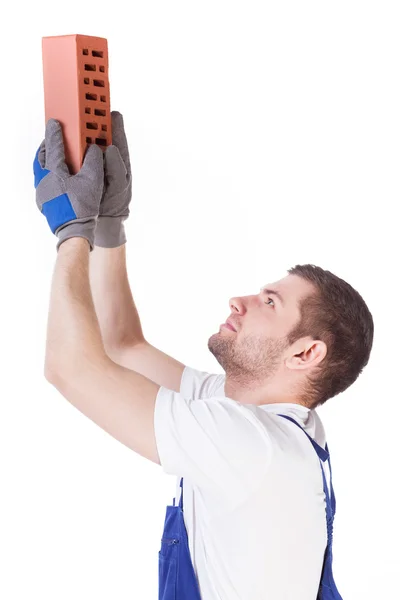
[196, 384]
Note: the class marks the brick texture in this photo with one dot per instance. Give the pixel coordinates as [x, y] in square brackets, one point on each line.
[77, 92]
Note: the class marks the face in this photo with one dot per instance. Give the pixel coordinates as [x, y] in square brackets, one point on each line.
[256, 350]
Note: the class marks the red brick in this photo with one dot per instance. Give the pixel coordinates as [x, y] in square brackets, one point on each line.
[77, 92]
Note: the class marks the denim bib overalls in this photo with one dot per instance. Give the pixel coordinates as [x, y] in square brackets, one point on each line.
[176, 577]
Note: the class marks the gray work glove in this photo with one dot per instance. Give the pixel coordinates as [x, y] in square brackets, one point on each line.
[70, 203]
[114, 207]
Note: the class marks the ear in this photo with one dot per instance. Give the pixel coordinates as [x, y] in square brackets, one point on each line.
[306, 353]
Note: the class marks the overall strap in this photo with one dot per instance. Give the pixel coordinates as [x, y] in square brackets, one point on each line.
[323, 454]
[181, 498]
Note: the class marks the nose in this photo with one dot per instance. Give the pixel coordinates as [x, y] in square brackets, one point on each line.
[236, 305]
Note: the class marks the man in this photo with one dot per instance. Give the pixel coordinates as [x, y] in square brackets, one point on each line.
[248, 447]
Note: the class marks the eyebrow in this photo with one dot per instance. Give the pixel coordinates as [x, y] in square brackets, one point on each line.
[273, 293]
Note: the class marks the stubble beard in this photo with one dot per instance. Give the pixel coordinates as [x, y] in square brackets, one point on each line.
[248, 361]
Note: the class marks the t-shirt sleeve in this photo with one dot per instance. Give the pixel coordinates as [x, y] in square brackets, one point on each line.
[197, 384]
[217, 444]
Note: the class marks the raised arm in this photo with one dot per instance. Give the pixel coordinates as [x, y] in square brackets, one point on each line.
[119, 321]
[116, 311]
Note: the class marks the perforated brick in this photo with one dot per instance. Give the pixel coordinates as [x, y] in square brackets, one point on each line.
[77, 92]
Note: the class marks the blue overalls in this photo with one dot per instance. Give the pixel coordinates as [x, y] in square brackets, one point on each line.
[176, 577]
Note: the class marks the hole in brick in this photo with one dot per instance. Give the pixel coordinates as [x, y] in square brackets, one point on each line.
[85, 51]
[90, 67]
[102, 99]
[104, 127]
[86, 80]
[91, 96]
[92, 125]
[99, 112]
[98, 53]
[99, 82]
[88, 110]
[101, 142]
[89, 140]
[101, 69]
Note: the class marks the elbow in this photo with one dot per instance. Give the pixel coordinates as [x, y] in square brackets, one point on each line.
[55, 368]
[52, 370]
[51, 366]
[50, 374]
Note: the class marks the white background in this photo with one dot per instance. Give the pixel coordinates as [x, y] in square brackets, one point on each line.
[262, 135]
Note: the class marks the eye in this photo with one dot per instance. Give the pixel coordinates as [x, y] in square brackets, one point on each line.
[270, 300]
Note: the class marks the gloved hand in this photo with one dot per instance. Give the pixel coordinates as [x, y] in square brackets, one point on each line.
[70, 203]
[114, 207]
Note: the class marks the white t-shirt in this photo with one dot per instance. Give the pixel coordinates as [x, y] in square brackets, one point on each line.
[253, 497]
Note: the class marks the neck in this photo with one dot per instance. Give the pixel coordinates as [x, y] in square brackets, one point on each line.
[268, 393]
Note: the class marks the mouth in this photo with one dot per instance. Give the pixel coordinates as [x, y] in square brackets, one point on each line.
[228, 325]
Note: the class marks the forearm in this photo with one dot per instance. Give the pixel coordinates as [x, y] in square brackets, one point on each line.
[115, 308]
[73, 333]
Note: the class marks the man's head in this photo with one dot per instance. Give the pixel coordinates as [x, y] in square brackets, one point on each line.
[302, 339]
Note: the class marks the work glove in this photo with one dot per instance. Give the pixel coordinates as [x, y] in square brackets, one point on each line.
[114, 207]
[70, 203]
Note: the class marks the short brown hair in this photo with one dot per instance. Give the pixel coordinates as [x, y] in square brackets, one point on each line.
[337, 315]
